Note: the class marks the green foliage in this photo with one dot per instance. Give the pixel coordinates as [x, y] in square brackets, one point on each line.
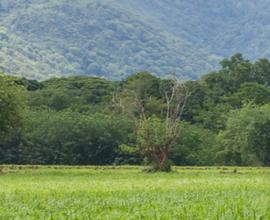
[246, 139]
[154, 141]
[144, 84]
[91, 120]
[196, 146]
[63, 93]
[11, 106]
[152, 134]
[213, 117]
[238, 82]
[69, 137]
[30, 85]
[249, 92]
[142, 92]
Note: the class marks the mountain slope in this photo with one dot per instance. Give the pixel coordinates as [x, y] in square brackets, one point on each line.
[78, 37]
[114, 38]
[220, 27]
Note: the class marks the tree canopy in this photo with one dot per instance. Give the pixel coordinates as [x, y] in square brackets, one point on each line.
[90, 120]
[11, 105]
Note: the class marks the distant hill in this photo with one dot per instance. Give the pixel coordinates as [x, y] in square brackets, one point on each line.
[221, 27]
[114, 38]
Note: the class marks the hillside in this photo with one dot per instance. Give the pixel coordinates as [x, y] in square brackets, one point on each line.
[43, 39]
[221, 27]
[113, 38]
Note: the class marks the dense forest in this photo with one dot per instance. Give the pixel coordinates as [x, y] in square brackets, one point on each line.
[76, 120]
[101, 38]
[115, 38]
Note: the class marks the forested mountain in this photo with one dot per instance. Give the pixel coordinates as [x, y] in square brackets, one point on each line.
[222, 27]
[114, 38]
[41, 39]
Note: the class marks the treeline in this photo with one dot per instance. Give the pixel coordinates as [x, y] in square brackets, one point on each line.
[86, 120]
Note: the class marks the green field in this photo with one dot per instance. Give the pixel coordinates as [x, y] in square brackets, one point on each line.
[127, 193]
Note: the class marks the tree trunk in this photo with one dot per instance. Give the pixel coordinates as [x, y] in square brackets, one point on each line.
[162, 164]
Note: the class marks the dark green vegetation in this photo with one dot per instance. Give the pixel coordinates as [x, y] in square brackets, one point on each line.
[11, 106]
[114, 38]
[86, 120]
[126, 193]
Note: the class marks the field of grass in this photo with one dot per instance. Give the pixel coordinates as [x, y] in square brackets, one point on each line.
[127, 193]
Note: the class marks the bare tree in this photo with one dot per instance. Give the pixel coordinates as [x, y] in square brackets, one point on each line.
[157, 135]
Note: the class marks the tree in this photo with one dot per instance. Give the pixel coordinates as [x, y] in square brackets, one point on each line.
[196, 147]
[11, 106]
[140, 95]
[156, 136]
[62, 93]
[70, 137]
[154, 140]
[246, 139]
[249, 92]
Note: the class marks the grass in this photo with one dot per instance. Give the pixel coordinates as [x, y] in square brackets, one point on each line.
[36, 192]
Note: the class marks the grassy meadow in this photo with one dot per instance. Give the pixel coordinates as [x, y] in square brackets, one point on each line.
[36, 192]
